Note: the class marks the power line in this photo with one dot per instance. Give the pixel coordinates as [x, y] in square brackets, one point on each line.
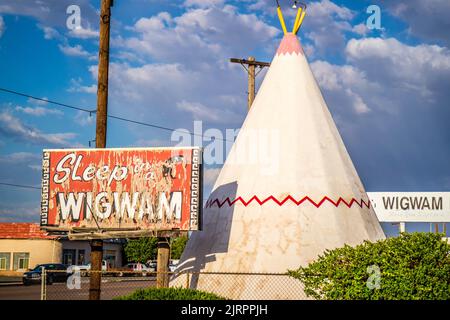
[46, 100]
[151, 125]
[19, 185]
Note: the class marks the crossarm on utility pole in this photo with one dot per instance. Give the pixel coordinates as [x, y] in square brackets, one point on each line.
[251, 70]
[250, 62]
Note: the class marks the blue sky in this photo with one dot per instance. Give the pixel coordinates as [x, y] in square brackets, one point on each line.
[387, 89]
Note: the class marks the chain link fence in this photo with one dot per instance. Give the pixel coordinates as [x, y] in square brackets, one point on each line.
[62, 285]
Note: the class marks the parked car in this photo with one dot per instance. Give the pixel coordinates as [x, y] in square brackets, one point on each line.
[107, 270]
[85, 268]
[152, 264]
[88, 266]
[172, 267]
[139, 268]
[59, 274]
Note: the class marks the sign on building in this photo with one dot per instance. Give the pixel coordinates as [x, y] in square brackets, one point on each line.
[141, 188]
[411, 206]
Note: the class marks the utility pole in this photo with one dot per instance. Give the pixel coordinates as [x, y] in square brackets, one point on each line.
[100, 134]
[103, 68]
[250, 66]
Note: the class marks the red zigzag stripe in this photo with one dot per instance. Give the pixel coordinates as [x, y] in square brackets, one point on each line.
[216, 201]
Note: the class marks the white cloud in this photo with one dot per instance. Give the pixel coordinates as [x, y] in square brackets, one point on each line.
[361, 29]
[50, 13]
[83, 33]
[326, 24]
[42, 102]
[20, 213]
[50, 33]
[199, 36]
[357, 102]
[35, 167]
[343, 81]
[393, 51]
[13, 128]
[325, 7]
[2, 26]
[181, 63]
[198, 110]
[203, 3]
[75, 51]
[38, 111]
[158, 91]
[426, 19]
[85, 89]
[19, 158]
[386, 75]
[76, 85]
[420, 71]
[84, 119]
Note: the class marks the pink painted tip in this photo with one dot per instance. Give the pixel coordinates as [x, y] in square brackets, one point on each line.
[290, 44]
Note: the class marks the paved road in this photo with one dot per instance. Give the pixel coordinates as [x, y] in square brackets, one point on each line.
[111, 287]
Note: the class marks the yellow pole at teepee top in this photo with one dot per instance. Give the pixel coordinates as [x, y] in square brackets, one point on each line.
[297, 18]
[280, 17]
[299, 23]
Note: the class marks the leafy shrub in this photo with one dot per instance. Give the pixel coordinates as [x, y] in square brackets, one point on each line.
[170, 294]
[141, 250]
[411, 266]
[177, 247]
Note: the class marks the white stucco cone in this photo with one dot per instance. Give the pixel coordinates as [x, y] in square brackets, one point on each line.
[279, 212]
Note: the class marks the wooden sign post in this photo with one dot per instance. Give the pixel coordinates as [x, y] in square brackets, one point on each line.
[96, 267]
[163, 257]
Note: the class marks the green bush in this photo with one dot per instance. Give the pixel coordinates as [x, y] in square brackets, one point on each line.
[141, 250]
[410, 267]
[177, 247]
[170, 294]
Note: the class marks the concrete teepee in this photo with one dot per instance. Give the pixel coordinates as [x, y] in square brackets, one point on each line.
[270, 216]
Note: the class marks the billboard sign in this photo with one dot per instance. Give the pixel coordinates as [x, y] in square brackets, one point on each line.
[411, 206]
[142, 188]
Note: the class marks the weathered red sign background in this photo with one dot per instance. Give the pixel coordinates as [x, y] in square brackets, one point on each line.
[150, 188]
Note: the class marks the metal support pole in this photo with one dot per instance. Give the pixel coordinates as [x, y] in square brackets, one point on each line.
[188, 280]
[402, 227]
[43, 284]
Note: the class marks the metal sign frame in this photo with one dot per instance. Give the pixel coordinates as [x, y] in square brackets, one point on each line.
[162, 198]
